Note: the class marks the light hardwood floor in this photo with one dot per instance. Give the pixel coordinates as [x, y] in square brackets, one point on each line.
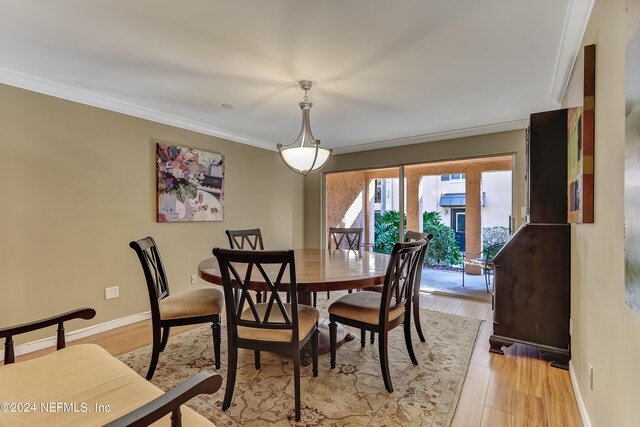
[517, 389]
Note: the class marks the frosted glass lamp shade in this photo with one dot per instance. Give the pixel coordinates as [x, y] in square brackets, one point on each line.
[304, 159]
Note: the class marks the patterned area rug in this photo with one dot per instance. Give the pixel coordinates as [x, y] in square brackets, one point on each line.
[353, 394]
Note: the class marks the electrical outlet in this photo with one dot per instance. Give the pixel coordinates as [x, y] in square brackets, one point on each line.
[570, 327]
[194, 279]
[590, 375]
[112, 292]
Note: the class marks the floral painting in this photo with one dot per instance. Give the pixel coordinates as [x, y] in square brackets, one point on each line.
[190, 184]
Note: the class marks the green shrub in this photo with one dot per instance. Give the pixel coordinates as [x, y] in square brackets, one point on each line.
[386, 226]
[494, 235]
[443, 248]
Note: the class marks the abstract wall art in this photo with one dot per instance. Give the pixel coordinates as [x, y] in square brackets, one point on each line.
[581, 133]
[190, 184]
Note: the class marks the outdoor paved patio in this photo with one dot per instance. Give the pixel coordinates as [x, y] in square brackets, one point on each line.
[450, 282]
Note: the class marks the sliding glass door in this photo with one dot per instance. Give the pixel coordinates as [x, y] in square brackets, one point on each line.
[367, 199]
[465, 204]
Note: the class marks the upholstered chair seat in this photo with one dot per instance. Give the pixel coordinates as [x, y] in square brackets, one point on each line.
[191, 303]
[363, 307]
[79, 373]
[307, 319]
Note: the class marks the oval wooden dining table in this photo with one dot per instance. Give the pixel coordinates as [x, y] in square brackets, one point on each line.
[319, 270]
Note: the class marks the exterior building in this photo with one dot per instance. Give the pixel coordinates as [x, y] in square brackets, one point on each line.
[446, 195]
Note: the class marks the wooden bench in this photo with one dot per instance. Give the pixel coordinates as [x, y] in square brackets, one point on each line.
[85, 385]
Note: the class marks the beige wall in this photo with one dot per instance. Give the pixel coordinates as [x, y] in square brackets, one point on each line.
[79, 185]
[512, 142]
[606, 331]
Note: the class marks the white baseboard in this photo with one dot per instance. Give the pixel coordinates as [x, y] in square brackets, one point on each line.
[40, 344]
[576, 391]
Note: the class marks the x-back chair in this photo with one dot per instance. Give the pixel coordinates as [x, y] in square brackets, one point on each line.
[380, 312]
[343, 238]
[189, 307]
[272, 325]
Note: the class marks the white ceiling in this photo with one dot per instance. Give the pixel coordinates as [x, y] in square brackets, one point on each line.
[384, 72]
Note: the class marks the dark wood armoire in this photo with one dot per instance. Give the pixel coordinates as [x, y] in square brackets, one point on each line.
[531, 297]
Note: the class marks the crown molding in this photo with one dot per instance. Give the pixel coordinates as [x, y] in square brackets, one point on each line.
[436, 136]
[47, 87]
[575, 25]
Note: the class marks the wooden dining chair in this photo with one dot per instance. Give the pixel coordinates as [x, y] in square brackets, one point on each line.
[252, 239]
[343, 238]
[380, 312]
[269, 326]
[189, 307]
[412, 236]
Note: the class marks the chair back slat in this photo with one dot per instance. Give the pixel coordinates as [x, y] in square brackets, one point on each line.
[275, 296]
[153, 268]
[399, 280]
[412, 236]
[351, 237]
[238, 268]
[245, 239]
[245, 296]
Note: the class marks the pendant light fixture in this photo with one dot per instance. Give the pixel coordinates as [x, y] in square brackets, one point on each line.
[305, 155]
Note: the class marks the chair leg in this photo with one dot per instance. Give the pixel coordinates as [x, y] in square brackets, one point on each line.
[315, 299]
[384, 361]
[258, 297]
[288, 297]
[350, 291]
[315, 351]
[486, 280]
[165, 338]
[463, 271]
[333, 336]
[215, 328]
[328, 295]
[407, 337]
[296, 380]
[256, 356]
[232, 365]
[155, 353]
[416, 317]
[363, 337]
[373, 337]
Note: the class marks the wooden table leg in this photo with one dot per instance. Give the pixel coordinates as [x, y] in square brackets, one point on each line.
[323, 340]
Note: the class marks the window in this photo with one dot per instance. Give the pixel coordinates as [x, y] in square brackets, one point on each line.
[452, 177]
[378, 194]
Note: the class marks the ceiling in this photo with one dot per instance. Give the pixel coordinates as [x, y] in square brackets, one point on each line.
[385, 73]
